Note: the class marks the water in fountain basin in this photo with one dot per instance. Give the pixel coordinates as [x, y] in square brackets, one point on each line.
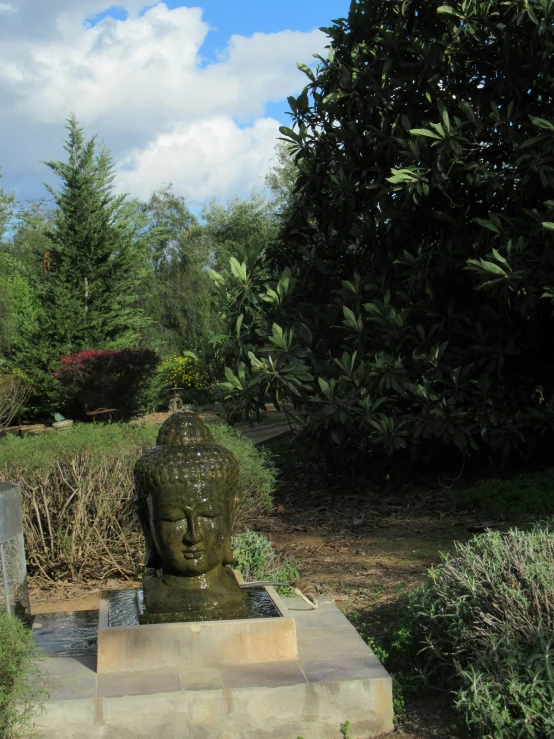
[125, 604]
[75, 634]
[72, 634]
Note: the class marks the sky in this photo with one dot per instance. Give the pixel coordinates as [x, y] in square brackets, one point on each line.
[191, 94]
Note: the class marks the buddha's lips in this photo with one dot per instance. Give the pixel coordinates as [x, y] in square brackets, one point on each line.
[193, 553]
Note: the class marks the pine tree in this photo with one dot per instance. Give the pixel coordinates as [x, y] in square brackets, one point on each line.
[98, 260]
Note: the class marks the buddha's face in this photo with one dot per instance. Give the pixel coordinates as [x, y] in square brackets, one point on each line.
[191, 527]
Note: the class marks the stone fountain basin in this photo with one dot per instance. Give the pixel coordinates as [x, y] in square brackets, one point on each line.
[335, 678]
[194, 645]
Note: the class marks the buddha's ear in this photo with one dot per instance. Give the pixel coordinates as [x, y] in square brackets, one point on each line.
[152, 557]
[233, 509]
[228, 558]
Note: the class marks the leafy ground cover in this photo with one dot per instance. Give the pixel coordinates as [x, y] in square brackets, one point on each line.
[525, 494]
[22, 687]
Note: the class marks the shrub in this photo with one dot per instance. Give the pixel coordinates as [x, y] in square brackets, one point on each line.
[508, 692]
[257, 560]
[190, 373]
[21, 683]
[187, 372]
[256, 477]
[106, 379]
[482, 625]
[14, 391]
[184, 372]
[77, 489]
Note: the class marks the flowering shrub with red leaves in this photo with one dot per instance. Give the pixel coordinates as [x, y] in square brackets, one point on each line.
[106, 378]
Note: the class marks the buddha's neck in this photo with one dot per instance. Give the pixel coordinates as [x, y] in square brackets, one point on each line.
[198, 582]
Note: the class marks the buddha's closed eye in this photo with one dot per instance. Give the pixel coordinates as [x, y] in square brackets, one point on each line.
[175, 516]
[171, 516]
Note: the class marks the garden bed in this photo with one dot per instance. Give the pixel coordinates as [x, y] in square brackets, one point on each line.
[364, 537]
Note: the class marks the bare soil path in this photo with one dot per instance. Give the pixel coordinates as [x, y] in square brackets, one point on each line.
[367, 542]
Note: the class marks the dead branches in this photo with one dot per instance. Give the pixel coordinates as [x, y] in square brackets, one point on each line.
[79, 518]
[14, 391]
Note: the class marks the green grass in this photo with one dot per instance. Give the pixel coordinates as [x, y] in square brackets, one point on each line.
[39, 452]
[524, 494]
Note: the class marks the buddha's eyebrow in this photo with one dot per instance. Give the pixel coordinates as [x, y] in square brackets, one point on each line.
[206, 505]
[169, 508]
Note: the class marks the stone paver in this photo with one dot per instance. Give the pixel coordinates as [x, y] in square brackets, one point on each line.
[144, 682]
[263, 675]
[72, 687]
[261, 434]
[208, 678]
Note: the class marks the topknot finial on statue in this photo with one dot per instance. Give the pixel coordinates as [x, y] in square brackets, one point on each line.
[184, 428]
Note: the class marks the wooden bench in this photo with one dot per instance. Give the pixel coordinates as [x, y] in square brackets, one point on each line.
[102, 412]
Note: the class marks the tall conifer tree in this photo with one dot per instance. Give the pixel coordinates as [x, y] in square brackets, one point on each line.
[97, 259]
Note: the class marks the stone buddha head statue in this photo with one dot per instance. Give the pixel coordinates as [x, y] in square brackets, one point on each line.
[186, 500]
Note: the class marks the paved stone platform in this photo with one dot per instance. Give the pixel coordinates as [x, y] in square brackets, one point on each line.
[336, 678]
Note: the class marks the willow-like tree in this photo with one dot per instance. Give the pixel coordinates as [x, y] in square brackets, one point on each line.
[177, 295]
[97, 258]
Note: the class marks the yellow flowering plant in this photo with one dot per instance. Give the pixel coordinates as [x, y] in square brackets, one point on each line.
[184, 372]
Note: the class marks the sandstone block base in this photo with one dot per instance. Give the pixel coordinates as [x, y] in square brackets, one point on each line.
[191, 645]
[334, 678]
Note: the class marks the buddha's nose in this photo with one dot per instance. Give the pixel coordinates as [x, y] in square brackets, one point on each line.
[192, 535]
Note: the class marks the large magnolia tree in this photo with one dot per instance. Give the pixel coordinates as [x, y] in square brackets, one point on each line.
[412, 298]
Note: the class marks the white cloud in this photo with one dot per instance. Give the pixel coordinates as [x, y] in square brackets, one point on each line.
[44, 18]
[6, 8]
[140, 84]
[203, 159]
